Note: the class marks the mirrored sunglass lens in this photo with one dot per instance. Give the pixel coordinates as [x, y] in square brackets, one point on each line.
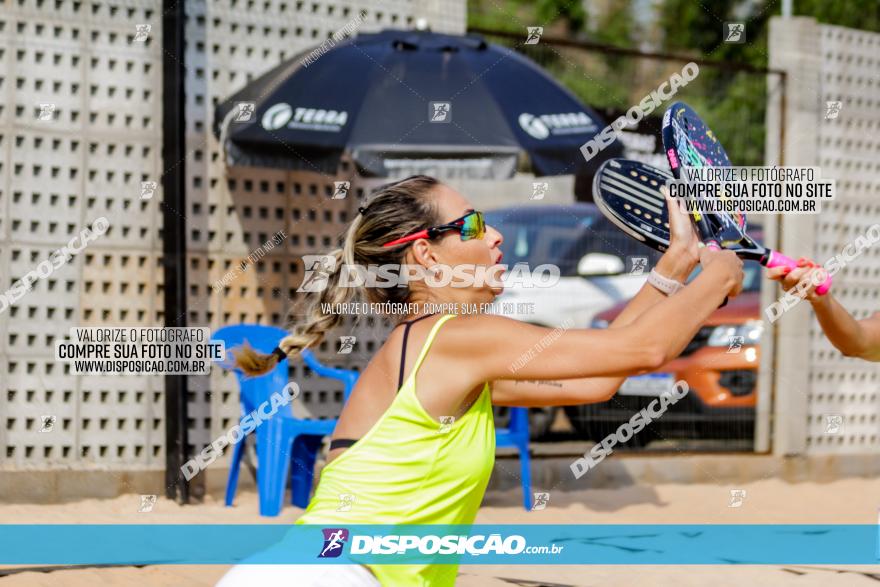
[473, 226]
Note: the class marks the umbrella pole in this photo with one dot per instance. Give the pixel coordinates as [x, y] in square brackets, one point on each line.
[174, 243]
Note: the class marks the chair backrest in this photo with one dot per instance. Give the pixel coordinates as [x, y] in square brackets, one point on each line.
[256, 390]
[519, 421]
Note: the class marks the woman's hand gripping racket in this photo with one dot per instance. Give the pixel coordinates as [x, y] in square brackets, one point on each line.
[689, 143]
[631, 195]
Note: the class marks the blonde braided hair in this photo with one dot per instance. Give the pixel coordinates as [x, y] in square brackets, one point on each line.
[395, 210]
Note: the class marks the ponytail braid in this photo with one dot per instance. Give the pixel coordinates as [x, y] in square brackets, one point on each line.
[396, 210]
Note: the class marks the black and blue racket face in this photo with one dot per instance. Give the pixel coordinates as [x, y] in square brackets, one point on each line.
[628, 194]
[690, 143]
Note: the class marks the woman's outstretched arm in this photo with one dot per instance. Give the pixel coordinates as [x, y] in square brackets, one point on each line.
[488, 348]
[853, 338]
[677, 263]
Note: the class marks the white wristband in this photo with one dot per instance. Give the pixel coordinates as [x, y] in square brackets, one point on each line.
[664, 284]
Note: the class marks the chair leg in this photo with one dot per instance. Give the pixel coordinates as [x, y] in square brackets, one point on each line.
[234, 469]
[305, 450]
[525, 473]
[273, 457]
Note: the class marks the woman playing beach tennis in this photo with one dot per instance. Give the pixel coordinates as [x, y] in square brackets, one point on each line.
[853, 338]
[415, 443]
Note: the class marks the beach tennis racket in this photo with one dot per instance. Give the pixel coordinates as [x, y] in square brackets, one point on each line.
[689, 142]
[628, 193]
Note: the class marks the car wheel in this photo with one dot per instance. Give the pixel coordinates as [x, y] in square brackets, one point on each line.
[540, 420]
[586, 422]
[502, 416]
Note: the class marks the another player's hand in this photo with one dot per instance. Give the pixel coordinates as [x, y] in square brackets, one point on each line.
[807, 272]
[726, 265]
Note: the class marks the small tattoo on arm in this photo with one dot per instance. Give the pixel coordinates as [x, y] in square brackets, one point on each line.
[541, 382]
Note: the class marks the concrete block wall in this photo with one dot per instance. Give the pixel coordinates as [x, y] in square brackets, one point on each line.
[812, 381]
[88, 158]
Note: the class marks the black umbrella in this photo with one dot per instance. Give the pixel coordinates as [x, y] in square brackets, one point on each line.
[399, 100]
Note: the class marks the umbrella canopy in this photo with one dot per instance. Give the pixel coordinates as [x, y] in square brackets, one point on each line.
[405, 101]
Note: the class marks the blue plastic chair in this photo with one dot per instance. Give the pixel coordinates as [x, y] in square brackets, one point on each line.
[516, 435]
[282, 440]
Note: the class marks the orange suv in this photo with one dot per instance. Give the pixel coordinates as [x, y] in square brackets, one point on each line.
[720, 366]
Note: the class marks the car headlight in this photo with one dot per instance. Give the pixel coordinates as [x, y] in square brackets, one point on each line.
[599, 323]
[723, 335]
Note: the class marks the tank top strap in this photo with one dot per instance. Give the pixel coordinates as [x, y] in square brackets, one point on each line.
[430, 340]
[406, 328]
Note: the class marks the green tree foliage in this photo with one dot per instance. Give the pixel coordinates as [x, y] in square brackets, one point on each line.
[598, 79]
[732, 103]
[856, 14]
[516, 15]
[571, 12]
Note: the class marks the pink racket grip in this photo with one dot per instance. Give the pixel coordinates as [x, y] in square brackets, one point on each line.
[777, 259]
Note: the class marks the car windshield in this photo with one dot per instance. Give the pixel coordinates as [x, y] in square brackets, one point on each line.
[751, 272]
[550, 236]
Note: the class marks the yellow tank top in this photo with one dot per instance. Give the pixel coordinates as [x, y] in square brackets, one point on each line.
[411, 469]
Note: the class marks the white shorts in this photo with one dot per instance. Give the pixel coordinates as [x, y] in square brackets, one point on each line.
[329, 575]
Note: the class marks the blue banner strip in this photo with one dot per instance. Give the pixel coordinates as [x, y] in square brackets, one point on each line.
[691, 544]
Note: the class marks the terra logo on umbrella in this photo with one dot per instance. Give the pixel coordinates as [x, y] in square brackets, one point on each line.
[543, 126]
[284, 115]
